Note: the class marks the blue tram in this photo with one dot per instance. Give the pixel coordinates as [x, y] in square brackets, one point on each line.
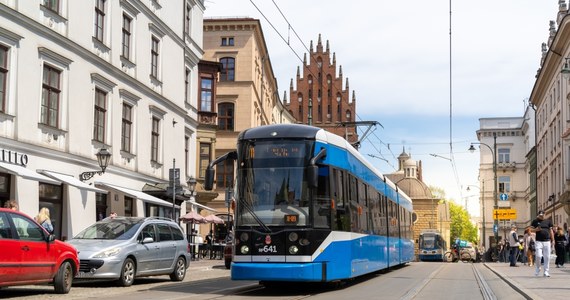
[432, 246]
[309, 207]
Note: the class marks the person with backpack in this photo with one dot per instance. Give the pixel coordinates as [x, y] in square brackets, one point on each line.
[544, 242]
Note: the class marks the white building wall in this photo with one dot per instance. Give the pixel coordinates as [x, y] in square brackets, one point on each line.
[36, 36]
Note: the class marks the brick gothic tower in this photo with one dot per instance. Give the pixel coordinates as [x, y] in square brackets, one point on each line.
[319, 99]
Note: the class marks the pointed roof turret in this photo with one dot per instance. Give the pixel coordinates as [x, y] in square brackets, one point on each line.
[311, 47]
[334, 58]
[328, 47]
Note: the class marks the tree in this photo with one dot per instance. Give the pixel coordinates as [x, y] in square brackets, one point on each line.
[461, 226]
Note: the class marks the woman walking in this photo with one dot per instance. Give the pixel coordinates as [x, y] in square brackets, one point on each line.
[560, 247]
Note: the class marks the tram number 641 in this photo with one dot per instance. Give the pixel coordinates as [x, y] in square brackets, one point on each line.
[268, 249]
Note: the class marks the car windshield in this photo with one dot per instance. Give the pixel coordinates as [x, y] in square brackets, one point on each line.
[111, 229]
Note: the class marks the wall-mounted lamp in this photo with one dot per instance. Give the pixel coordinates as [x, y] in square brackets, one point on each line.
[191, 185]
[103, 158]
[566, 68]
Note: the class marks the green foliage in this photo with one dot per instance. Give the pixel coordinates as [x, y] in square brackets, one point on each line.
[461, 226]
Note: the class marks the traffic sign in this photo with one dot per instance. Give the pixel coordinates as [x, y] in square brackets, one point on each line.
[504, 197]
[504, 214]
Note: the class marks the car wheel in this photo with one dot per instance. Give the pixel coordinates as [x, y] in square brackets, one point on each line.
[228, 263]
[63, 279]
[127, 273]
[179, 270]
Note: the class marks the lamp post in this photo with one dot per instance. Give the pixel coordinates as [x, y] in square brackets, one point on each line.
[103, 158]
[495, 203]
[482, 197]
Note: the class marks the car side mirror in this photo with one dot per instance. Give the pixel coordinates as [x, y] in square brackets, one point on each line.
[147, 240]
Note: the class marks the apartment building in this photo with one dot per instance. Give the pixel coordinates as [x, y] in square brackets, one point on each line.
[81, 78]
[550, 98]
[246, 94]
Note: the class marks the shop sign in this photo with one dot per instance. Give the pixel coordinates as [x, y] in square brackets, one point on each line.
[13, 157]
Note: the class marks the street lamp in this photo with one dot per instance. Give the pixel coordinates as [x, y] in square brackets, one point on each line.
[482, 197]
[495, 204]
[191, 182]
[103, 157]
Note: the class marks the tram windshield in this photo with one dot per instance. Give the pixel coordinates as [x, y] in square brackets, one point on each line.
[273, 188]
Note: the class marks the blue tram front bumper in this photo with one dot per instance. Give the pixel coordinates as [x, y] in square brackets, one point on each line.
[279, 271]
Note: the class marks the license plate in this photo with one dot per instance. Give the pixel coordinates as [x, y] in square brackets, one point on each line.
[84, 275]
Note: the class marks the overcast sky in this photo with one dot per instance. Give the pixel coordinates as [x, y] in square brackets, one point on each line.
[396, 55]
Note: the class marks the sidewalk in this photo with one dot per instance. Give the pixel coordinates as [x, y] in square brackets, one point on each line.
[522, 278]
[205, 269]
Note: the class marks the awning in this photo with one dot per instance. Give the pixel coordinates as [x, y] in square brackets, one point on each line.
[202, 206]
[68, 179]
[135, 194]
[26, 173]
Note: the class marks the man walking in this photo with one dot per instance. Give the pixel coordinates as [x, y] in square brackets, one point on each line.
[514, 246]
[544, 242]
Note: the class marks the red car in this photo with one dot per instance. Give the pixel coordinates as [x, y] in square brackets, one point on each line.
[30, 255]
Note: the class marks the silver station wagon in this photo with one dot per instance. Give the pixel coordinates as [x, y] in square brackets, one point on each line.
[123, 248]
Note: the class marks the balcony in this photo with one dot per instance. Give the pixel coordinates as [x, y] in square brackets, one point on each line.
[507, 166]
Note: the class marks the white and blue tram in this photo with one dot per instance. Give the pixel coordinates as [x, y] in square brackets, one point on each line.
[309, 207]
[431, 246]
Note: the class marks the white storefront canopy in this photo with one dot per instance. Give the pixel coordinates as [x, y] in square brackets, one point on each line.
[135, 194]
[68, 179]
[26, 173]
[202, 206]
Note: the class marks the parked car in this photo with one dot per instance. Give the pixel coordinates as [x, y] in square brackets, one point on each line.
[123, 248]
[30, 255]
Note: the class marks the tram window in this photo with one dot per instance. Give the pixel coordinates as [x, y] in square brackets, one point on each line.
[322, 203]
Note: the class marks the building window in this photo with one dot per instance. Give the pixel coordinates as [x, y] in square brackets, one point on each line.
[126, 128]
[129, 206]
[301, 116]
[226, 116]
[154, 139]
[225, 174]
[228, 69]
[100, 114]
[52, 5]
[50, 97]
[227, 41]
[348, 115]
[154, 58]
[188, 18]
[99, 19]
[187, 81]
[504, 184]
[504, 155]
[126, 37]
[3, 77]
[206, 94]
[205, 151]
[186, 153]
[100, 206]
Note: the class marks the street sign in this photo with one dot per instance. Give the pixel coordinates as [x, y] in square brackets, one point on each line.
[504, 197]
[504, 214]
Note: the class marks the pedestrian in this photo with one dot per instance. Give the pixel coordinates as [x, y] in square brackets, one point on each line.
[529, 246]
[43, 218]
[113, 215]
[560, 247]
[513, 246]
[11, 204]
[544, 240]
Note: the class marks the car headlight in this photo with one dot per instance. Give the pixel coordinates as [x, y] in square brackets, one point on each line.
[108, 253]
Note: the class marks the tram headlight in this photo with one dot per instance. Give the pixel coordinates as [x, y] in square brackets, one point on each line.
[293, 236]
[293, 249]
[244, 237]
[304, 242]
[244, 249]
